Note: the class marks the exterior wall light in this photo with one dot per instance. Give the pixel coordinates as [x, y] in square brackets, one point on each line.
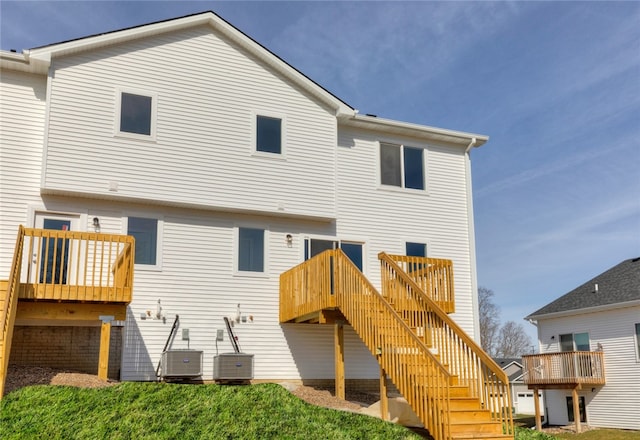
[96, 224]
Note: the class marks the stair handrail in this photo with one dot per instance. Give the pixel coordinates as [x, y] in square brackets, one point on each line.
[432, 406]
[498, 374]
[10, 306]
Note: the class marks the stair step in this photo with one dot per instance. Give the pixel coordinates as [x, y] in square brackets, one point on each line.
[481, 436]
[475, 428]
[462, 403]
[470, 415]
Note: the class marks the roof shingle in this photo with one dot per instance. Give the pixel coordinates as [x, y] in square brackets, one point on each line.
[619, 284]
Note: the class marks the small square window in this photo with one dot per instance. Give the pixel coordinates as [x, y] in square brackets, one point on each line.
[269, 134]
[136, 113]
[250, 250]
[145, 231]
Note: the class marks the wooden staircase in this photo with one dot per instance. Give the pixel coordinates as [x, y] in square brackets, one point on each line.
[456, 390]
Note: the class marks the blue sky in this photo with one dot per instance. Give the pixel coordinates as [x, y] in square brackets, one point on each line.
[556, 86]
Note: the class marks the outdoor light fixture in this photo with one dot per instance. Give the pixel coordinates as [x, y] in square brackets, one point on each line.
[553, 337]
[289, 240]
[96, 224]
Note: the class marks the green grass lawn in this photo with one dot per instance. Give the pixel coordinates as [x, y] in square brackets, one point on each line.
[172, 411]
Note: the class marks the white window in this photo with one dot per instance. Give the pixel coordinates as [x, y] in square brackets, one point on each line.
[136, 114]
[415, 249]
[575, 342]
[147, 233]
[251, 250]
[269, 134]
[402, 166]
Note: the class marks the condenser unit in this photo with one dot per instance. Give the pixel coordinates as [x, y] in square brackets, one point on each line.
[233, 366]
[181, 363]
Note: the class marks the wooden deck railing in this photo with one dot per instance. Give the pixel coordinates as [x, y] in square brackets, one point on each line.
[566, 368]
[415, 371]
[434, 276]
[9, 307]
[463, 357]
[76, 266]
[307, 288]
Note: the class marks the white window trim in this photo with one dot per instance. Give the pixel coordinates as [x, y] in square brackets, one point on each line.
[402, 188]
[354, 240]
[236, 251]
[154, 114]
[283, 135]
[636, 340]
[159, 239]
[424, 241]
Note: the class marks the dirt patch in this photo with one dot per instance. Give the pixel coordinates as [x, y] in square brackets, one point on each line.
[21, 376]
[326, 398]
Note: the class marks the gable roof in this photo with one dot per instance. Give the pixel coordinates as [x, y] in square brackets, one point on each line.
[42, 56]
[38, 60]
[505, 363]
[618, 285]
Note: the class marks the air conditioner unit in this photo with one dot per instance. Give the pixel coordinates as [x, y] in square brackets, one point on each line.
[233, 366]
[181, 363]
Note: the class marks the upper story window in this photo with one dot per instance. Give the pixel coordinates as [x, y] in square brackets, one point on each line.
[136, 114]
[402, 166]
[251, 250]
[146, 231]
[575, 342]
[268, 134]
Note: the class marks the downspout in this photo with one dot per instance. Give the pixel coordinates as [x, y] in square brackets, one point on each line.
[472, 242]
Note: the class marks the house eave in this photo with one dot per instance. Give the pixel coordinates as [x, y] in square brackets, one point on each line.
[583, 310]
[20, 62]
[423, 132]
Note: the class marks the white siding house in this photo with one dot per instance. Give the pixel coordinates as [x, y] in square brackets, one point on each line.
[602, 315]
[211, 197]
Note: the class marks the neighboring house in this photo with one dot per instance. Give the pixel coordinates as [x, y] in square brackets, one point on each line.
[229, 167]
[590, 351]
[521, 395]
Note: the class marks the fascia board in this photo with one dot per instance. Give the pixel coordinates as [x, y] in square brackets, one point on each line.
[583, 311]
[414, 130]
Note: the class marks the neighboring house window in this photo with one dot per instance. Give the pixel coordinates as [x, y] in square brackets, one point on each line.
[575, 342]
[146, 232]
[269, 134]
[136, 114]
[638, 340]
[402, 166]
[251, 250]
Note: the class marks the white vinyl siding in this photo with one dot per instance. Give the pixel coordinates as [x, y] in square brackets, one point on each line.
[612, 331]
[386, 220]
[202, 152]
[22, 120]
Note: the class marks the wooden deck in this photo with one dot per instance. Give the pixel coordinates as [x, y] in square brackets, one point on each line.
[564, 370]
[453, 386]
[73, 276]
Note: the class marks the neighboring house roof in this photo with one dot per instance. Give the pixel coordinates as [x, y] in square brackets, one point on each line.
[38, 60]
[505, 363]
[616, 286]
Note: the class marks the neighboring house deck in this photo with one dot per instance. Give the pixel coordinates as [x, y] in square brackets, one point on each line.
[254, 195]
[590, 351]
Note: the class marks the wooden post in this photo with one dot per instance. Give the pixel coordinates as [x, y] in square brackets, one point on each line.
[536, 401]
[338, 338]
[105, 341]
[384, 400]
[576, 409]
